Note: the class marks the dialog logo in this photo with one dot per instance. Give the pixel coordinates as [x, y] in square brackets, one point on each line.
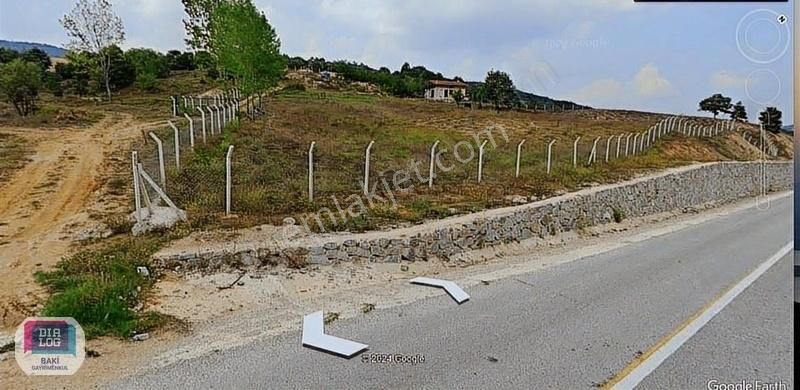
[49, 346]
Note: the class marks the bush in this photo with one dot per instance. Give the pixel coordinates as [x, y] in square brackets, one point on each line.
[20, 82]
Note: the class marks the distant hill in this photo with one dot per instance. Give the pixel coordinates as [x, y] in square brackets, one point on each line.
[52, 51]
[532, 99]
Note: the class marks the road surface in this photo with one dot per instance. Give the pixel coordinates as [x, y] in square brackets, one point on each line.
[581, 324]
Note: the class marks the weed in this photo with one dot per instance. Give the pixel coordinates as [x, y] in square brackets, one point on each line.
[618, 215]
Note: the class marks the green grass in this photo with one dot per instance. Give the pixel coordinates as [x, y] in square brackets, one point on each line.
[100, 288]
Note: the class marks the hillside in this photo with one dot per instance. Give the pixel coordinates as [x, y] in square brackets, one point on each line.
[52, 51]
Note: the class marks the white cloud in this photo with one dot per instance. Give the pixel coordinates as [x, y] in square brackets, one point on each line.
[649, 82]
[603, 91]
[725, 79]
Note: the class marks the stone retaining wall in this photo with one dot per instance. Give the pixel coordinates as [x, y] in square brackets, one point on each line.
[671, 190]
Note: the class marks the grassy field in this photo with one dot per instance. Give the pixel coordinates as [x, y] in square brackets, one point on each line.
[270, 158]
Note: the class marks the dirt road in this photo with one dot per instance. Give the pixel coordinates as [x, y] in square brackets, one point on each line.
[46, 202]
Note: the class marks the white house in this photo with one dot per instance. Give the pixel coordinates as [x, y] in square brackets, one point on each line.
[444, 89]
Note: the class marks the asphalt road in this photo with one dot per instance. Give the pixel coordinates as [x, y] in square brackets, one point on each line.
[570, 326]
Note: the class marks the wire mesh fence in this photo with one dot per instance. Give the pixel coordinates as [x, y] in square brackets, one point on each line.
[270, 175]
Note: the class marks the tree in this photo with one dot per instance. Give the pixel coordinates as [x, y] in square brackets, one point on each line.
[246, 46]
[122, 72]
[93, 26]
[148, 62]
[477, 93]
[7, 55]
[180, 60]
[19, 83]
[38, 57]
[739, 112]
[458, 96]
[716, 104]
[198, 23]
[500, 89]
[770, 118]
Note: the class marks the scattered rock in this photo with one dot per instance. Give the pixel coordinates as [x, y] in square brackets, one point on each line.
[140, 337]
[143, 271]
[404, 268]
[289, 221]
[492, 359]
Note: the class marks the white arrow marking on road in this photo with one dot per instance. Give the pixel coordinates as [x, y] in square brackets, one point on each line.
[314, 336]
[456, 292]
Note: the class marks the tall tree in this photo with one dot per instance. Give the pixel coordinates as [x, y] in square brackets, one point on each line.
[198, 23]
[770, 118]
[500, 89]
[20, 82]
[246, 46]
[716, 104]
[94, 26]
[739, 112]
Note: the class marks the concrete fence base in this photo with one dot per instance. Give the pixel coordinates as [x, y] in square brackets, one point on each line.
[671, 190]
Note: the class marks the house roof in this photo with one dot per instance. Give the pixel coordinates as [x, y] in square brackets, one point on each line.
[447, 83]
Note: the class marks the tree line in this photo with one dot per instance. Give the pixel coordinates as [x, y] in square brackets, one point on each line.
[770, 117]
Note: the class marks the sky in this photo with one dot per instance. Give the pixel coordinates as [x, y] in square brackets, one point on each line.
[662, 57]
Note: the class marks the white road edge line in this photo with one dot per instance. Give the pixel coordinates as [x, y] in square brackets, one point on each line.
[649, 365]
[456, 292]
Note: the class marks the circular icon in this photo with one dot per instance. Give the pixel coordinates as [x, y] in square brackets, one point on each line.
[761, 37]
[762, 86]
[49, 346]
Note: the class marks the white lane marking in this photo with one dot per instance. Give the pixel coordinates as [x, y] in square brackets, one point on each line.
[661, 354]
[453, 289]
[314, 336]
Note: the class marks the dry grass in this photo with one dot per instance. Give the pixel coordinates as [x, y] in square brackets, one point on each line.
[270, 159]
[14, 153]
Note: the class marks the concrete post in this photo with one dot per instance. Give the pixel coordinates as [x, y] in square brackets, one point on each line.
[174, 106]
[311, 172]
[635, 138]
[137, 197]
[228, 180]
[433, 161]
[203, 119]
[619, 142]
[191, 130]
[575, 152]
[519, 154]
[627, 143]
[593, 153]
[366, 167]
[480, 160]
[177, 145]
[161, 170]
[608, 147]
[549, 154]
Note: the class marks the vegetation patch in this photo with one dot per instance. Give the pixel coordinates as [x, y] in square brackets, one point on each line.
[100, 287]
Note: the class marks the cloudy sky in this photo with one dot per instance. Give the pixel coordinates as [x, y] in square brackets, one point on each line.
[605, 53]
